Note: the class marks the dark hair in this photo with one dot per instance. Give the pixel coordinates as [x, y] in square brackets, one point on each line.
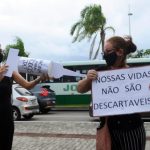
[1, 57]
[124, 43]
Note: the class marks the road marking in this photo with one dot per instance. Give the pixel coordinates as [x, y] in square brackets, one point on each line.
[55, 135]
[51, 135]
[89, 122]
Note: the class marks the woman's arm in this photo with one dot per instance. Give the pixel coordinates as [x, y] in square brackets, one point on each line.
[86, 84]
[24, 83]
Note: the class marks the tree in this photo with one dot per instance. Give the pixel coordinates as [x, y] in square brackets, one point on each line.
[147, 52]
[140, 54]
[91, 24]
[19, 45]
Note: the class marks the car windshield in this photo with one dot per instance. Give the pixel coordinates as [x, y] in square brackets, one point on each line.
[23, 91]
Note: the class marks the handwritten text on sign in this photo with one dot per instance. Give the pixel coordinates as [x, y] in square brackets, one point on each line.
[121, 91]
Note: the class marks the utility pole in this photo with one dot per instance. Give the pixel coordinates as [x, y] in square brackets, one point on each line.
[129, 14]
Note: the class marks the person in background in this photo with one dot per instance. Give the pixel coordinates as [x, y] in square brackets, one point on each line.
[127, 132]
[6, 113]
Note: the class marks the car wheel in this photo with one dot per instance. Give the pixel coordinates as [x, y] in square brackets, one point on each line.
[28, 116]
[16, 114]
[44, 111]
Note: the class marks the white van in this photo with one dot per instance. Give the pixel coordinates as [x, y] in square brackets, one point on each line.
[24, 103]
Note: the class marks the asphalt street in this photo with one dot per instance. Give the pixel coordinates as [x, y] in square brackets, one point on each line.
[46, 132]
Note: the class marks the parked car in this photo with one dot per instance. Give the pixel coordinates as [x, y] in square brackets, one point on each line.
[46, 97]
[24, 103]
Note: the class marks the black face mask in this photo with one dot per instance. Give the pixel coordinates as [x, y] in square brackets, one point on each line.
[1, 57]
[110, 58]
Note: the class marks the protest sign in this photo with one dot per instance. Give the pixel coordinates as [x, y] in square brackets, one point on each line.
[12, 61]
[121, 91]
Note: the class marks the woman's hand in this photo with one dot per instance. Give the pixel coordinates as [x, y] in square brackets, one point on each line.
[85, 84]
[92, 75]
[3, 69]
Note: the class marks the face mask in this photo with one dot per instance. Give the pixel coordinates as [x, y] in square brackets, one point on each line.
[110, 58]
[1, 57]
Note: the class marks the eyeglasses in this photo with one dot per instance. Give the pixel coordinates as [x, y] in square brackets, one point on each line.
[108, 51]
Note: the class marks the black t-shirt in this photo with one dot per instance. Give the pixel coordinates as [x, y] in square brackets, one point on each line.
[5, 90]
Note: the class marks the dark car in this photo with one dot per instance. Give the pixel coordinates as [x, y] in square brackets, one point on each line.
[45, 96]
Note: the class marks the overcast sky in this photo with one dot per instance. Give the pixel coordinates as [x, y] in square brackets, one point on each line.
[44, 25]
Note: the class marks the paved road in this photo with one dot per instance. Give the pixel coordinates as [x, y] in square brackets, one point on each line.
[65, 115]
[55, 135]
[47, 133]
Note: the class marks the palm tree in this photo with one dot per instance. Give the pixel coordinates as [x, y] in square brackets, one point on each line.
[91, 24]
[19, 45]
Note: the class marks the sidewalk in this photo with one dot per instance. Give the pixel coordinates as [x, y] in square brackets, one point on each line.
[54, 135]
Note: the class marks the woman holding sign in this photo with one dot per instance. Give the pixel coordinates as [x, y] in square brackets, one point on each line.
[126, 131]
[6, 114]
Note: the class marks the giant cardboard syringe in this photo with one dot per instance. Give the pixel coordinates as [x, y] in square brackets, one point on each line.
[36, 66]
[39, 67]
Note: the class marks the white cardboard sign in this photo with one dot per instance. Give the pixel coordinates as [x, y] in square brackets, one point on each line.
[121, 91]
[12, 61]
